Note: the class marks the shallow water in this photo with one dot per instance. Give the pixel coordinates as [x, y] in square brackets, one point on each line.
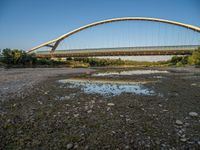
[130, 72]
[107, 89]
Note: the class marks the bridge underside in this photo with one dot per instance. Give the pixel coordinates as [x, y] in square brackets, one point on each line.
[113, 53]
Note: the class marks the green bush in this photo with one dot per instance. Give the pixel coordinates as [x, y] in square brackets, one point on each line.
[16, 57]
[101, 62]
[195, 58]
[184, 60]
[179, 60]
[44, 62]
[176, 59]
[20, 57]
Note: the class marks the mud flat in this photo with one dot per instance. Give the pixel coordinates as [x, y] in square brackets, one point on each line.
[72, 109]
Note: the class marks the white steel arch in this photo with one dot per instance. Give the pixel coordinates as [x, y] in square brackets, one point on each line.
[54, 43]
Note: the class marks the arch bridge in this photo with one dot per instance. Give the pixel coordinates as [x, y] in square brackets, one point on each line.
[182, 41]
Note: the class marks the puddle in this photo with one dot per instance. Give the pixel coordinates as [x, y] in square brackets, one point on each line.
[130, 72]
[107, 89]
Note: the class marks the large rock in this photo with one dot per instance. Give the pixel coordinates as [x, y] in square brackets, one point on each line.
[69, 146]
[178, 122]
[193, 114]
[111, 104]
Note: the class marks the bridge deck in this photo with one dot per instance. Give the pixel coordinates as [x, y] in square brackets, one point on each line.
[122, 51]
[115, 53]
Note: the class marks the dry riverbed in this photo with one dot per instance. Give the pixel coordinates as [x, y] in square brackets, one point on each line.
[63, 108]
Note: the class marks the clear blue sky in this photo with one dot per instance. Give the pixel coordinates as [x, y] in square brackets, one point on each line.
[27, 23]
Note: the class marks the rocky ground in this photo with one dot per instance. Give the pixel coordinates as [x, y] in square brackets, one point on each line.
[14, 82]
[50, 115]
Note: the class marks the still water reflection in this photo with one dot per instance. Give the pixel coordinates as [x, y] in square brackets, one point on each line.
[107, 89]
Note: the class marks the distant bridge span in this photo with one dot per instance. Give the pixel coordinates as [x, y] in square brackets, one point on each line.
[115, 53]
[123, 51]
[53, 44]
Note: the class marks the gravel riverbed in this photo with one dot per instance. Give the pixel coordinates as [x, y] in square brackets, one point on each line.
[38, 112]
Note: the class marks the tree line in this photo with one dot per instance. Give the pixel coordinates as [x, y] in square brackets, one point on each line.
[16, 57]
[20, 57]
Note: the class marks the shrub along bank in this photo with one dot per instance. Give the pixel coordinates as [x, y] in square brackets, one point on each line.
[17, 57]
[194, 59]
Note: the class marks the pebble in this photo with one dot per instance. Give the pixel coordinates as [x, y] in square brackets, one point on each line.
[157, 142]
[108, 109]
[86, 147]
[163, 145]
[69, 146]
[64, 98]
[127, 147]
[86, 107]
[187, 124]
[178, 122]
[165, 110]
[121, 116]
[76, 115]
[8, 120]
[89, 111]
[193, 84]
[40, 102]
[183, 139]
[76, 146]
[111, 104]
[193, 114]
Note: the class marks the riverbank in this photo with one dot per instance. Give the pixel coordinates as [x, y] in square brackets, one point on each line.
[50, 114]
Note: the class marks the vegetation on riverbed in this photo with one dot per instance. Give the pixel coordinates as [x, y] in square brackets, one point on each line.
[99, 62]
[194, 59]
[16, 57]
[21, 58]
